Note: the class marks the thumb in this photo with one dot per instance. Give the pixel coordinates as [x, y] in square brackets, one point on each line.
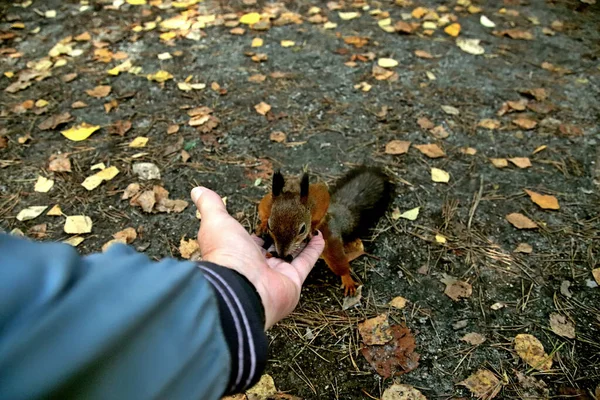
[208, 202]
[308, 257]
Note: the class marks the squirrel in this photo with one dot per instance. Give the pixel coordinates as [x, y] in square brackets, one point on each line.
[292, 212]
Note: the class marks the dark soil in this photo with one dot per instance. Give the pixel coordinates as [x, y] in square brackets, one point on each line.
[332, 126]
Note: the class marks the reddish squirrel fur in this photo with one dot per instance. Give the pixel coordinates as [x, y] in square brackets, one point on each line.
[294, 210]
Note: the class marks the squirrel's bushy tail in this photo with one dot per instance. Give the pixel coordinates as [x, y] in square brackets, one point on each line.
[358, 200]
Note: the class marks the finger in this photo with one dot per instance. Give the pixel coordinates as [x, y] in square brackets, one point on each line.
[208, 203]
[275, 262]
[309, 256]
[259, 242]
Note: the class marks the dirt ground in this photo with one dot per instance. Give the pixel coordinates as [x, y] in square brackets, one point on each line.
[331, 124]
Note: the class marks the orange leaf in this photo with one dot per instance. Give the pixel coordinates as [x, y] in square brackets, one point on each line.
[431, 150]
[521, 162]
[453, 29]
[520, 221]
[397, 147]
[545, 201]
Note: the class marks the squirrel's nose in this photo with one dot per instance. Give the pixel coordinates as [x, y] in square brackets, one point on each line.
[288, 258]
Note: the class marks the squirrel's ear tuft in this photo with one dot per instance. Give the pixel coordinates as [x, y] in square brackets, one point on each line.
[304, 189]
[278, 183]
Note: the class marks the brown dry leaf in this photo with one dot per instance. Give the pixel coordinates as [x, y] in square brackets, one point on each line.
[399, 391]
[78, 104]
[520, 221]
[171, 129]
[525, 123]
[189, 249]
[69, 77]
[483, 384]
[516, 34]
[596, 275]
[259, 57]
[397, 147]
[111, 105]
[489, 124]
[521, 162]
[78, 224]
[3, 142]
[128, 235]
[278, 137]
[405, 27]
[37, 231]
[131, 190]
[419, 12]
[381, 74]
[568, 130]
[398, 302]
[264, 389]
[523, 248]
[499, 162]
[425, 123]
[59, 163]
[545, 201]
[423, 54]
[99, 91]
[146, 200]
[439, 132]
[257, 78]
[168, 205]
[237, 31]
[375, 330]
[540, 94]
[470, 151]
[531, 350]
[562, 326]
[262, 108]
[111, 242]
[456, 289]
[120, 127]
[54, 121]
[185, 156]
[473, 338]
[431, 150]
[83, 37]
[518, 105]
[396, 357]
[356, 41]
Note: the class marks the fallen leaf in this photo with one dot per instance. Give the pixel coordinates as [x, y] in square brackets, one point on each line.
[470, 151]
[146, 171]
[596, 275]
[55, 211]
[120, 127]
[439, 175]
[128, 235]
[531, 350]
[411, 214]
[440, 239]
[489, 124]
[483, 384]
[346, 16]
[250, 18]
[171, 129]
[425, 123]
[497, 306]
[351, 301]
[277, 136]
[99, 91]
[160, 76]
[78, 224]
[264, 389]
[257, 78]
[423, 54]
[79, 104]
[37, 231]
[540, 94]
[439, 132]
[399, 391]
[139, 141]
[517, 34]
[521, 162]
[567, 130]
[562, 326]
[375, 330]
[419, 12]
[397, 147]
[523, 248]
[80, 132]
[131, 190]
[470, 46]
[473, 338]
[59, 163]
[287, 43]
[547, 202]
[405, 27]
[398, 302]
[43, 185]
[74, 241]
[83, 37]
[93, 181]
[387, 63]
[364, 86]
[450, 110]
[30, 213]
[262, 108]
[54, 121]
[520, 221]
[485, 21]
[453, 29]
[431, 150]
[456, 289]
[499, 162]
[525, 123]
[396, 357]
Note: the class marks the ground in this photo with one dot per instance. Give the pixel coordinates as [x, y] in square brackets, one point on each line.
[437, 94]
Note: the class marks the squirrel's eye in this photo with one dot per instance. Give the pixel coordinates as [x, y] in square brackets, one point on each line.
[302, 229]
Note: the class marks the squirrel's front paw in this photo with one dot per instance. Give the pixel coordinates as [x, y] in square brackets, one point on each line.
[349, 285]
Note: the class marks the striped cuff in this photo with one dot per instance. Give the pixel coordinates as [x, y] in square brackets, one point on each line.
[242, 321]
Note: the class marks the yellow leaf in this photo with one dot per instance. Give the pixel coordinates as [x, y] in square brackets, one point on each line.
[411, 214]
[250, 18]
[453, 29]
[348, 15]
[80, 132]
[545, 201]
[124, 67]
[139, 141]
[100, 165]
[168, 36]
[287, 43]
[483, 384]
[329, 25]
[262, 108]
[596, 275]
[41, 103]
[93, 181]
[74, 241]
[77, 224]
[30, 213]
[499, 162]
[440, 239]
[257, 42]
[387, 62]
[439, 175]
[9, 74]
[398, 302]
[136, 2]
[531, 350]
[43, 185]
[55, 211]
[160, 76]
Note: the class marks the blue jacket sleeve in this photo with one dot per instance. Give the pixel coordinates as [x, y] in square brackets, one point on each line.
[110, 326]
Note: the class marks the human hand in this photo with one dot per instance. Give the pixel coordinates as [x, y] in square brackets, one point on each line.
[225, 242]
